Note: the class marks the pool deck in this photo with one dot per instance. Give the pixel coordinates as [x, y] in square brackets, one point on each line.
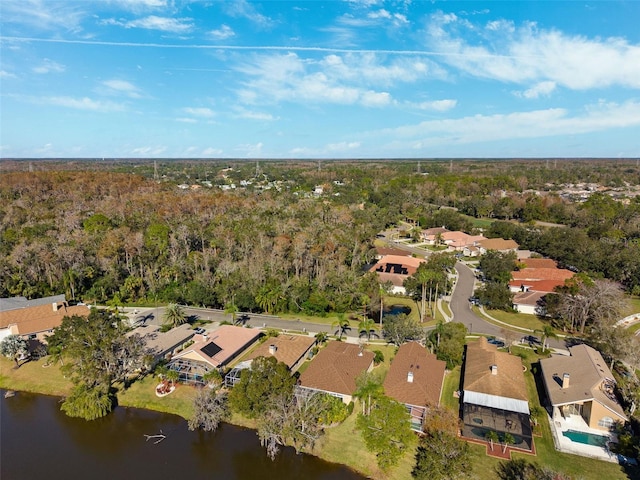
[560, 424]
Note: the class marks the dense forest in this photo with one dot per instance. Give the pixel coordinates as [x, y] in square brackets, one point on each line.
[124, 232]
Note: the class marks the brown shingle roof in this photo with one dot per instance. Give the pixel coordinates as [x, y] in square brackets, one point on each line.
[392, 251]
[539, 263]
[336, 368]
[42, 318]
[508, 382]
[527, 298]
[428, 375]
[587, 371]
[289, 348]
[498, 244]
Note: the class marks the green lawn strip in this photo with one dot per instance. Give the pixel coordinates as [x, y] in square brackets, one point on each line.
[521, 320]
[344, 444]
[141, 394]
[450, 385]
[33, 377]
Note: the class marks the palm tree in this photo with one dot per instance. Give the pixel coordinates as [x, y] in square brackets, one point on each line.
[546, 332]
[321, 337]
[366, 326]
[492, 437]
[341, 325]
[507, 439]
[173, 376]
[174, 315]
[231, 308]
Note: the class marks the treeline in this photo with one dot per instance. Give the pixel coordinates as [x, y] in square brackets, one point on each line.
[113, 233]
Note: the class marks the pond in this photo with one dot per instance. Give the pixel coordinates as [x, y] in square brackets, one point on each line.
[396, 310]
[39, 441]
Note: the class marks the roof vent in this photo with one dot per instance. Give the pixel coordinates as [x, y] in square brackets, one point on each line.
[494, 369]
[565, 380]
[410, 377]
[272, 349]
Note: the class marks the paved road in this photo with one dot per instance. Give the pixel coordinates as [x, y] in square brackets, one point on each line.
[461, 308]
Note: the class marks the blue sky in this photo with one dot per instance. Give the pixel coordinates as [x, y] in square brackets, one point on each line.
[319, 79]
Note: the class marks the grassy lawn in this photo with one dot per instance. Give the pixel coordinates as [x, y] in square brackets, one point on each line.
[343, 444]
[33, 377]
[634, 305]
[451, 384]
[141, 394]
[521, 320]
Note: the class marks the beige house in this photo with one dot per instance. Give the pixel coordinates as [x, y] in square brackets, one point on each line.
[292, 350]
[37, 322]
[498, 244]
[582, 386]
[335, 370]
[213, 350]
[495, 396]
[415, 379]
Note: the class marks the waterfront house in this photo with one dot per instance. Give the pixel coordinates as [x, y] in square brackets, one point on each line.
[34, 321]
[335, 370]
[415, 379]
[213, 350]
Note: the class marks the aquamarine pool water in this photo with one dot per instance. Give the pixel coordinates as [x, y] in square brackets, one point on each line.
[586, 438]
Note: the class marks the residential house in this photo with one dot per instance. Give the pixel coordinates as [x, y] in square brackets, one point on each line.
[163, 345]
[38, 321]
[396, 269]
[432, 236]
[580, 389]
[335, 370]
[415, 379]
[529, 302]
[213, 350]
[458, 241]
[292, 350]
[495, 394]
[382, 252]
[498, 244]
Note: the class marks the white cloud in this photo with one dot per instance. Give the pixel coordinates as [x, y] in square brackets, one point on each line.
[44, 14]
[222, 33]
[375, 99]
[350, 79]
[245, 9]
[49, 66]
[437, 105]
[148, 151]
[212, 152]
[199, 112]
[136, 5]
[5, 74]
[342, 146]
[529, 54]
[120, 87]
[252, 115]
[186, 120]
[251, 150]
[153, 22]
[542, 89]
[532, 124]
[84, 103]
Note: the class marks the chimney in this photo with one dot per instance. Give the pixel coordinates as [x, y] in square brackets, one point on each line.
[565, 380]
[272, 349]
[410, 377]
[55, 306]
[494, 369]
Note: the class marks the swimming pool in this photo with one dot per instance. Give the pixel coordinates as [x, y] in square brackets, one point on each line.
[586, 438]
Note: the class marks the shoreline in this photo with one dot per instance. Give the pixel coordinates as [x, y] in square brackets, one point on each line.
[175, 406]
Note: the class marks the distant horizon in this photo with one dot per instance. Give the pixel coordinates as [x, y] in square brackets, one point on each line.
[325, 79]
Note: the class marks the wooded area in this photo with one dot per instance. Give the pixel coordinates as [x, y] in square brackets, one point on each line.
[110, 232]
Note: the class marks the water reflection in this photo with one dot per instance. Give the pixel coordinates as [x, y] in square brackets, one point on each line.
[40, 441]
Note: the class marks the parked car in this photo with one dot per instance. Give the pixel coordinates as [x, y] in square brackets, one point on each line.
[496, 341]
[200, 330]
